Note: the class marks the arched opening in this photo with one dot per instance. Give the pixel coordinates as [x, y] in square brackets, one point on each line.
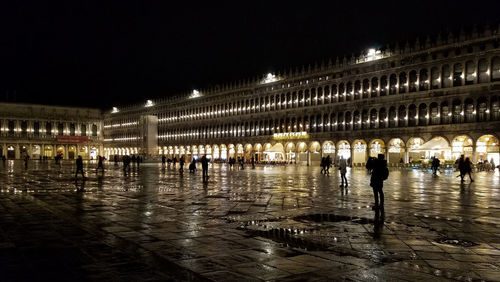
[435, 79]
[393, 84]
[359, 152]
[421, 153]
[232, 151]
[484, 72]
[377, 146]
[384, 85]
[446, 77]
[413, 83]
[402, 116]
[470, 73]
[392, 117]
[248, 152]
[274, 154]
[373, 119]
[469, 111]
[216, 152]
[458, 70]
[48, 151]
[412, 115]
[72, 152]
[240, 150]
[495, 69]
[434, 113]
[462, 145]
[302, 153]
[424, 80]
[257, 152]
[422, 115]
[403, 82]
[482, 109]
[396, 151]
[329, 149]
[11, 152]
[223, 152]
[487, 150]
[375, 87]
[290, 152]
[495, 108]
[445, 113]
[382, 118]
[344, 151]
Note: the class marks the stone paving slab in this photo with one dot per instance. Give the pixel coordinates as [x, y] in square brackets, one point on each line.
[269, 223]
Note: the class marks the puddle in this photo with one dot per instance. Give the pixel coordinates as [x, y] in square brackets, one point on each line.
[456, 242]
[333, 218]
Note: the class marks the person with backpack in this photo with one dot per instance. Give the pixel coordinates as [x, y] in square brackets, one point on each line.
[380, 172]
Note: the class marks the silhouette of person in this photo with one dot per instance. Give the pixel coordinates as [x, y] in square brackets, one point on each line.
[468, 168]
[100, 165]
[181, 164]
[163, 159]
[79, 168]
[343, 171]
[204, 167]
[380, 172]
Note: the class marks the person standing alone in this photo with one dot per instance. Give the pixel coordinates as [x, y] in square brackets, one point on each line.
[204, 167]
[79, 168]
[380, 172]
[343, 171]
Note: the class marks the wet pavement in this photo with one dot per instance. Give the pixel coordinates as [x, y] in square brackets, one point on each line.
[268, 223]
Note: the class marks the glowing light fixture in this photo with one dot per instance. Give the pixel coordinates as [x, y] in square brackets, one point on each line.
[114, 110]
[149, 103]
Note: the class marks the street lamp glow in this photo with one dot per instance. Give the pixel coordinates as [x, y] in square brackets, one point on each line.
[115, 110]
[149, 103]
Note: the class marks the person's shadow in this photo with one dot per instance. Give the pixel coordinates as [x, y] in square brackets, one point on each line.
[378, 223]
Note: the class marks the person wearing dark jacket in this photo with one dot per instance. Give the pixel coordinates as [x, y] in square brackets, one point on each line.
[380, 172]
[79, 168]
[204, 167]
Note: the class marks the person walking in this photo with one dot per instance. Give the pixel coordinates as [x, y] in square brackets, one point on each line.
[323, 165]
[461, 167]
[134, 160]
[181, 164]
[468, 169]
[79, 168]
[26, 159]
[343, 171]
[253, 162]
[380, 172]
[100, 165]
[174, 161]
[435, 165]
[163, 159]
[328, 164]
[204, 167]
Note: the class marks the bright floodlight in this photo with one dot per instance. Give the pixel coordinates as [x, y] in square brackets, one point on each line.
[115, 110]
[149, 103]
[371, 52]
[270, 78]
[195, 94]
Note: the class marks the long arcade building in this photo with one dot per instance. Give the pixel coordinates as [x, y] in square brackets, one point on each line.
[435, 97]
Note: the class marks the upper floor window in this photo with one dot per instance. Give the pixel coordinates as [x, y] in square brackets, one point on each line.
[60, 128]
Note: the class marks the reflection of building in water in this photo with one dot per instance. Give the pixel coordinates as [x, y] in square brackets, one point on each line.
[438, 97]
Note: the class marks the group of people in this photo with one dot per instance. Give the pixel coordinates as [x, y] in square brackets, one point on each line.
[192, 166]
[464, 167]
[326, 163]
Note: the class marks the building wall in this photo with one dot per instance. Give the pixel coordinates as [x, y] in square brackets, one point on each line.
[449, 87]
[34, 129]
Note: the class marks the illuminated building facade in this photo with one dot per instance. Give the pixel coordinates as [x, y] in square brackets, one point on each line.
[46, 131]
[437, 97]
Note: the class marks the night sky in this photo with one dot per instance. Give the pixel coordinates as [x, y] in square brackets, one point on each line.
[104, 53]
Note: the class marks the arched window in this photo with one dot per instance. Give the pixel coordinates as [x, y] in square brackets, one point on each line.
[482, 68]
[384, 86]
[366, 88]
[375, 86]
[435, 80]
[424, 80]
[356, 120]
[469, 110]
[457, 111]
[446, 76]
[445, 113]
[470, 73]
[393, 84]
[495, 69]
[403, 82]
[364, 119]
[402, 116]
[413, 81]
[392, 117]
[412, 115]
[94, 130]
[373, 119]
[382, 118]
[458, 70]
[357, 90]
[482, 107]
[348, 120]
[434, 113]
[422, 115]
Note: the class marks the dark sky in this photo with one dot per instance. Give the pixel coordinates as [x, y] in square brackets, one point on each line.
[107, 53]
